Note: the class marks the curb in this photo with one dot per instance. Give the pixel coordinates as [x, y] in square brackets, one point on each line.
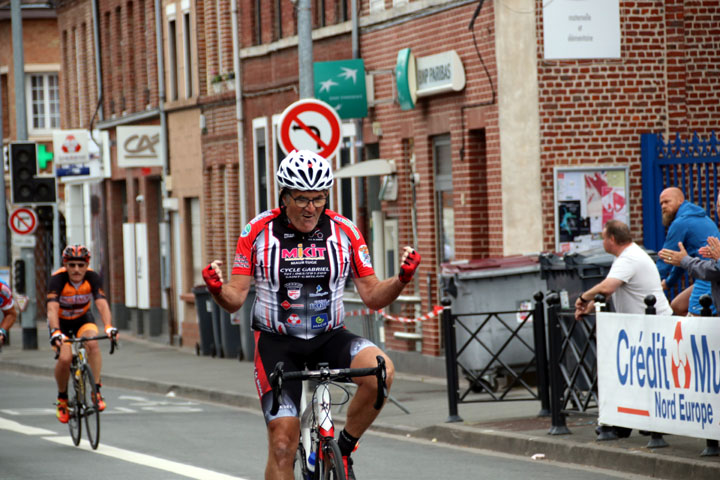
[589, 454]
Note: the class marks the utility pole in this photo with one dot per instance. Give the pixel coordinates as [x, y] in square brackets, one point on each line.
[28, 320]
[305, 53]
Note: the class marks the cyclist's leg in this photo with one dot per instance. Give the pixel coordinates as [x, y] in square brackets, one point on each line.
[345, 349]
[62, 366]
[284, 427]
[87, 328]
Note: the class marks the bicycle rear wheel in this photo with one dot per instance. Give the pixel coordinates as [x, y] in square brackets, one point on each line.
[331, 466]
[91, 412]
[74, 408]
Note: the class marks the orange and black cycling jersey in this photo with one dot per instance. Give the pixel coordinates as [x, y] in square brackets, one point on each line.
[74, 299]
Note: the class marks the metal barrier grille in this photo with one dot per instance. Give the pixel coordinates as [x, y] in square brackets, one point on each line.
[479, 380]
[578, 362]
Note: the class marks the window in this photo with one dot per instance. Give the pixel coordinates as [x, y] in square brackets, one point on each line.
[262, 165]
[188, 55]
[258, 22]
[196, 240]
[444, 197]
[278, 20]
[172, 57]
[44, 104]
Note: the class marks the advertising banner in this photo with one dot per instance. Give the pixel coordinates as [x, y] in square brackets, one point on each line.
[659, 373]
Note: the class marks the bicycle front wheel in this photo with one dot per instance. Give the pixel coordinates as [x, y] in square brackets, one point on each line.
[331, 466]
[74, 407]
[91, 412]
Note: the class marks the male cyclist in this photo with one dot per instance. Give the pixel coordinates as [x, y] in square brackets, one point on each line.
[7, 305]
[68, 309]
[299, 256]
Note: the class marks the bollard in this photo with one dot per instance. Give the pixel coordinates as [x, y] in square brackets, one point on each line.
[711, 446]
[656, 439]
[541, 362]
[453, 385]
[556, 390]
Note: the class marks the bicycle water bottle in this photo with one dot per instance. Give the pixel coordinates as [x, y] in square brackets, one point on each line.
[311, 462]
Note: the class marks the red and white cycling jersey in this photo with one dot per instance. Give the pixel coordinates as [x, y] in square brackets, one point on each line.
[300, 277]
[6, 297]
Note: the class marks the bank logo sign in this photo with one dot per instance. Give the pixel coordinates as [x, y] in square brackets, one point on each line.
[659, 373]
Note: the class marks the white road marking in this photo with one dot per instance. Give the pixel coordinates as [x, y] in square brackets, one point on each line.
[148, 461]
[29, 411]
[13, 426]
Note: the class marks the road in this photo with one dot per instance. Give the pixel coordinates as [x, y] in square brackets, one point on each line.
[146, 436]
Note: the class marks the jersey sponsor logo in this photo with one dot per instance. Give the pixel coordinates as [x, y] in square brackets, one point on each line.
[348, 224]
[289, 235]
[365, 256]
[308, 253]
[287, 305]
[294, 319]
[293, 290]
[264, 214]
[319, 305]
[318, 292]
[318, 321]
[246, 231]
[316, 236]
[241, 261]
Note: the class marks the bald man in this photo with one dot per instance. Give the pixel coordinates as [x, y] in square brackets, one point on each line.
[687, 224]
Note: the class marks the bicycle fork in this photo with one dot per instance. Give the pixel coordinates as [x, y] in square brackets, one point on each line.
[311, 432]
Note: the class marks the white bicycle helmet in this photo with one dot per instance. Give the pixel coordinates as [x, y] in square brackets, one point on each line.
[304, 170]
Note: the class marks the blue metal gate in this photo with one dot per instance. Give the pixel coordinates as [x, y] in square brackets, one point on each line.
[690, 165]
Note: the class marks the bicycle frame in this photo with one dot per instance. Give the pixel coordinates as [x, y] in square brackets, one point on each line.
[317, 429]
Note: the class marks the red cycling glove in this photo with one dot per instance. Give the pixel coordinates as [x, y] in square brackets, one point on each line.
[407, 269]
[212, 280]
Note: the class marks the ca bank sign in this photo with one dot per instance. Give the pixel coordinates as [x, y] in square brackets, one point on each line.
[659, 373]
[139, 147]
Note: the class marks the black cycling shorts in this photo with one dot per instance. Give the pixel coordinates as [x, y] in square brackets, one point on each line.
[72, 328]
[337, 348]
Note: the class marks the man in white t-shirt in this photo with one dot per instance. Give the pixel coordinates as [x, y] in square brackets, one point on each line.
[632, 276]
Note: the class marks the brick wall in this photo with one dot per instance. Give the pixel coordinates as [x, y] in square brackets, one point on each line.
[592, 112]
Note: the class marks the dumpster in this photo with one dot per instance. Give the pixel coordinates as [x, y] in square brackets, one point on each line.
[493, 285]
[203, 307]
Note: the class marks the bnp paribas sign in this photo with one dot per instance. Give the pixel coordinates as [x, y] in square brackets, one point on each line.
[341, 84]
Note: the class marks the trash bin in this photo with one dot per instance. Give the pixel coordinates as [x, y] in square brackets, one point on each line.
[243, 318]
[493, 285]
[572, 274]
[217, 329]
[230, 335]
[203, 307]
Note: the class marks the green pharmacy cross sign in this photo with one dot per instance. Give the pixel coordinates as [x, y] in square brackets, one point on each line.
[341, 84]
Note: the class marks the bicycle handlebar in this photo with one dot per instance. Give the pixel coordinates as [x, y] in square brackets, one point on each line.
[326, 374]
[113, 342]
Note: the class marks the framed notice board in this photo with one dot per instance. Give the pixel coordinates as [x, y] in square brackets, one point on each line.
[585, 199]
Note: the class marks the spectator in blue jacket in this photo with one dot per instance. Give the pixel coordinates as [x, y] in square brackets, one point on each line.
[687, 224]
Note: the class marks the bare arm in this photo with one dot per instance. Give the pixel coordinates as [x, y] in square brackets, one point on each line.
[378, 294]
[104, 308]
[585, 303]
[53, 309]
[9, 318]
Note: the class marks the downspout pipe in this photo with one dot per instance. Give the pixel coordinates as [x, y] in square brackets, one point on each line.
[237, 68]
[98, 60]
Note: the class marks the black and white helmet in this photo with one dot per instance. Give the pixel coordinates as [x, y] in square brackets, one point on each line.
[304, 170]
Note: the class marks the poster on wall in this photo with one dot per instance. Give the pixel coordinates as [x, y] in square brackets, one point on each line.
[581, 29]
[585, 199]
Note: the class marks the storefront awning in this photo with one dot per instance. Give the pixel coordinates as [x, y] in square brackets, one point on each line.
[368, 168]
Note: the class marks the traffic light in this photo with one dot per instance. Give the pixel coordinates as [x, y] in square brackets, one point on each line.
[25, 187]
[19, 276]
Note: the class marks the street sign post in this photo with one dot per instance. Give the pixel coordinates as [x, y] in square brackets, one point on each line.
[310, 124]
[23, 221]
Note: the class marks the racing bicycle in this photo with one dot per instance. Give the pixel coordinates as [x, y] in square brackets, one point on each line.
[83, 403]
[318, 455]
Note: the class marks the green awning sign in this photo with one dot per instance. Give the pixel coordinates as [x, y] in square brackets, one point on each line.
[341, 84]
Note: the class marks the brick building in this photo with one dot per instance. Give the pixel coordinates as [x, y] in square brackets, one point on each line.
[476, 162]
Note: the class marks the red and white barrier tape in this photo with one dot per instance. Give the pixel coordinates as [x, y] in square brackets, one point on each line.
[366, 311]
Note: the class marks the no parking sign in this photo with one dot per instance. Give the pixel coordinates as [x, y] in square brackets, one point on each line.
[310, 124]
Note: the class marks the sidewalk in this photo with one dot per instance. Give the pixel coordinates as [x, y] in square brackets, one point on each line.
[509, 427]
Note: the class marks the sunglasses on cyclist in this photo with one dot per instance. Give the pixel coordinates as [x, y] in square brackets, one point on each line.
[76, 264]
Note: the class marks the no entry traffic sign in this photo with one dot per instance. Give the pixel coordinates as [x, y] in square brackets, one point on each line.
[310, 124]
[23, 221]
